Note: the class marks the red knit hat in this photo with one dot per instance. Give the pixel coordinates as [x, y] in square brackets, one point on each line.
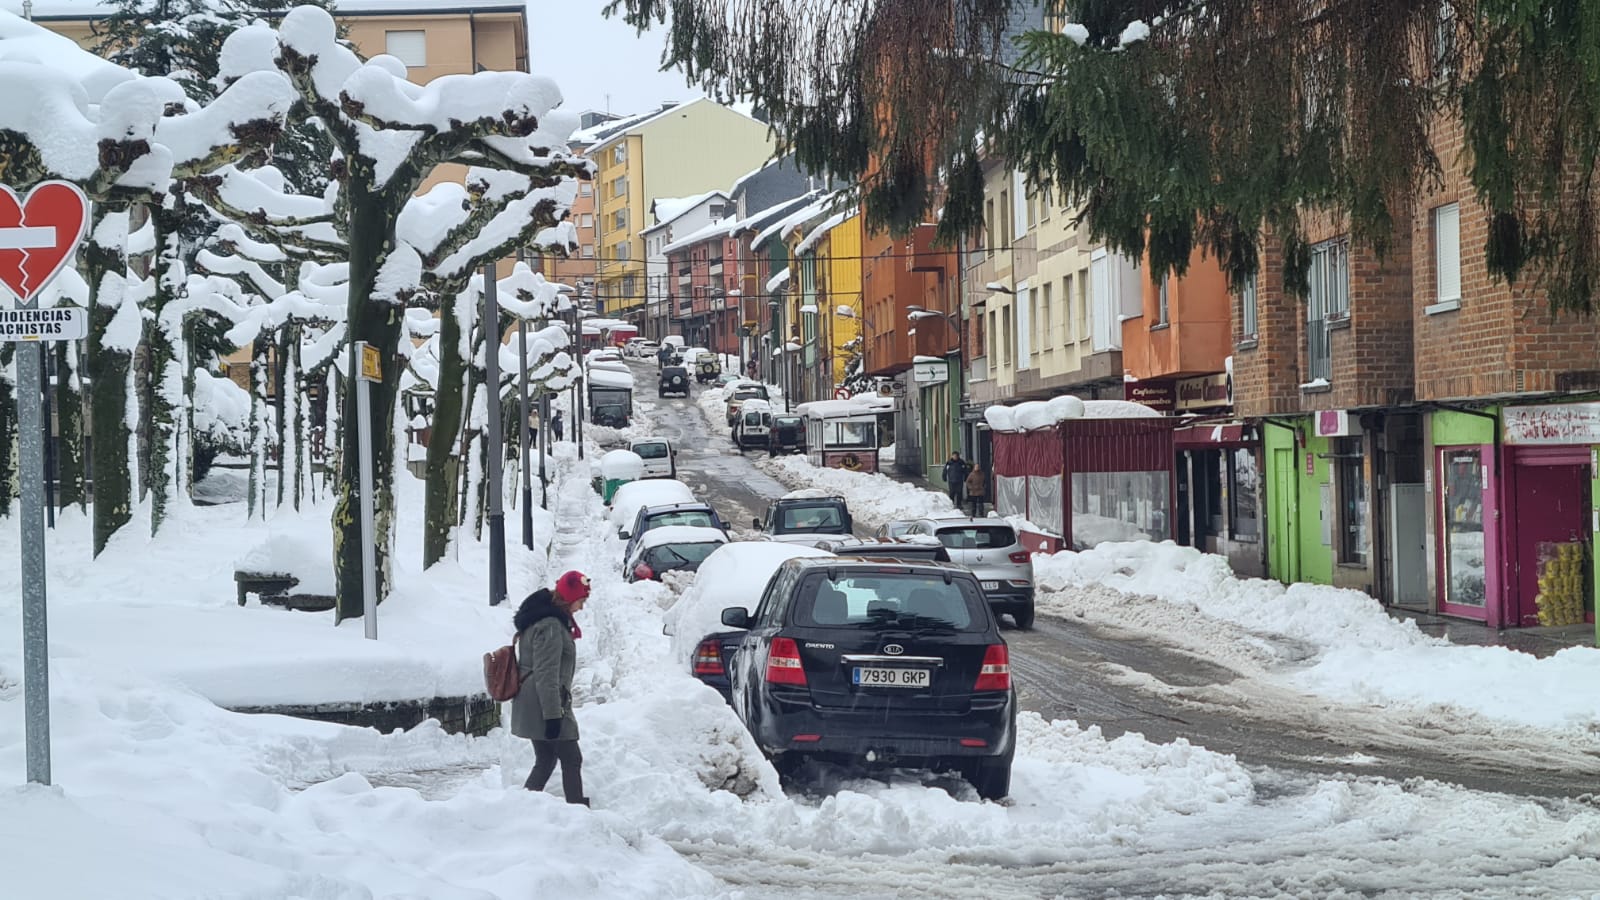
[572, 587]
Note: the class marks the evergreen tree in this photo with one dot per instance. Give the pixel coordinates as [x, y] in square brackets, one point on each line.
[1184, 123]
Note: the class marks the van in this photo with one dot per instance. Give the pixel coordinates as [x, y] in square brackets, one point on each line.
[660, 457]
[753, 424]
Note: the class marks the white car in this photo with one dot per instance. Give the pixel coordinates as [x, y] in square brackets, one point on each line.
[660, 457]
[652, 492]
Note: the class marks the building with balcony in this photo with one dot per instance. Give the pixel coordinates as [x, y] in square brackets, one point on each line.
[680, 150]
[674, 219]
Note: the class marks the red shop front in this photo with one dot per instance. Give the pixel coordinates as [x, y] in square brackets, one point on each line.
[1086, 481]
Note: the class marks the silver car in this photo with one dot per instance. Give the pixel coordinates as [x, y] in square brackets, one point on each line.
[991, 549]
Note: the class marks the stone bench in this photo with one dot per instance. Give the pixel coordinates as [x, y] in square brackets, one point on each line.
[264, 584]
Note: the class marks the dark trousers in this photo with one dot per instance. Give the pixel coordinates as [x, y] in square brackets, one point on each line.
[956, 489]
[545, 756]
[977, 504]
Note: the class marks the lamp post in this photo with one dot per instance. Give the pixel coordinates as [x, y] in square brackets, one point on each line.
[493, 442]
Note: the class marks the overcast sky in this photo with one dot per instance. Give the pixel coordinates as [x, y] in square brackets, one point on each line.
[591, 57]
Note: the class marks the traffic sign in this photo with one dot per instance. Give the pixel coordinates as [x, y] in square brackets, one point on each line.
[371, 363]
[63, 323]
[39, 234]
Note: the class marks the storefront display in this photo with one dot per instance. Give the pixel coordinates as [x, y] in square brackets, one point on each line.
[1463, 526]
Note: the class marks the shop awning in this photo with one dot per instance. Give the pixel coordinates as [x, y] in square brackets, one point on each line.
[1213, 435]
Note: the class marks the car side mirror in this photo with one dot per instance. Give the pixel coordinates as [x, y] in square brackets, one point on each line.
[736, 617]
[624, 535]
[756, 524]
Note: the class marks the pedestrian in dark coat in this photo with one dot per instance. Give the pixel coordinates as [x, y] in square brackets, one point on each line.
[556, 425]
[547, 655]
[955, 477]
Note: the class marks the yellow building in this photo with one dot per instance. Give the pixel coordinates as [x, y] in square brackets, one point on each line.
[840, 253]
[680, 150]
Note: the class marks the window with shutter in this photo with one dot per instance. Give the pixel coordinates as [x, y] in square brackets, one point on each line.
[410, 47]
[1447, 253]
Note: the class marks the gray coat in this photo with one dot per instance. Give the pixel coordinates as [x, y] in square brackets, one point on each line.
[546, 658]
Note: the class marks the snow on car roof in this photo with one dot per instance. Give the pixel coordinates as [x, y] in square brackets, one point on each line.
[682, 534]
[855, 406]
[733, 575]
[655, 492]
[811, 494]
[608, 378]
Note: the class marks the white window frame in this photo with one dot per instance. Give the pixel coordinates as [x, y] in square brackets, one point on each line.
[413, 48]
[587, 221]
[1249, 315]
[1163, 303]
[1446, 259]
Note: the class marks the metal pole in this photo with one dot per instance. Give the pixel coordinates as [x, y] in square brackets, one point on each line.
[35, 634]
[527, 489]
[494, 444]
[369, 562]
[544, 480]
[45, 357]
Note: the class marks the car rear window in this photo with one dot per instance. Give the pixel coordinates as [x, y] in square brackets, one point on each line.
[697, 517]
[650, 451]
[873, 600]
[810, 518]
[668, 556]
[977, 537]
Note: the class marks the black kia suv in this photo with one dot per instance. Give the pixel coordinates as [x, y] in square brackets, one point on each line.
[876, 663]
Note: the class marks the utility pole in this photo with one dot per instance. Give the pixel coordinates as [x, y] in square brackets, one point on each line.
[523, 447]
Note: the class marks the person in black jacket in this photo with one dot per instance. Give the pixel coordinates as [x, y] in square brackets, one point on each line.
[546, 658]
[556, 425]
[955, 477]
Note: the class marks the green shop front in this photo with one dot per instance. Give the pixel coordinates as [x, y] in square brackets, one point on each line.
[1514, 509]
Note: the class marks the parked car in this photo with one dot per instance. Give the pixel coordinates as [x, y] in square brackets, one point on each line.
[788, 435]
[751, 427]
[805, 517]
[727, 378]
[645, 349]
[896, 528]
[693, 513]
[991, 549]
[707, 366]
[886, 664]
[734, 575]
[659, 456]
[634, 495]
[885, 548]
[673, 548]
[674, 380]
[739, 392]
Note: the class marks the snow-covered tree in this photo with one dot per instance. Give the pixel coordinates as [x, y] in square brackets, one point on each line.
[390, 136]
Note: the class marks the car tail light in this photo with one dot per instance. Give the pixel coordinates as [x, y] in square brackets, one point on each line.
[974, 742]
[642, 572]
[783, 663]
[1021, 556]
[708, 659]
[806, 738]
[995, 675]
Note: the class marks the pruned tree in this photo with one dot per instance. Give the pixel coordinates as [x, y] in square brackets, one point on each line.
[1178, 124]
[390, 135]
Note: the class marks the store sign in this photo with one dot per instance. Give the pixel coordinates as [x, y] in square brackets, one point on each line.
[1204, 392]
[1158, 395]
[1558, 423]
[1335, 423]
[930, 373]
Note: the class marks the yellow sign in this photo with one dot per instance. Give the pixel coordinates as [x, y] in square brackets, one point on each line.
[371, 363]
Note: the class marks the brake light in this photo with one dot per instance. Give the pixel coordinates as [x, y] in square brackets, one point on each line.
[974, 742]
[995, 674]
[1021, 556]
[642, 572]
[708, 659]
[783, 663]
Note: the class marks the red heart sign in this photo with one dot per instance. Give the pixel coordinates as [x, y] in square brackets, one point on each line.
[39, 235]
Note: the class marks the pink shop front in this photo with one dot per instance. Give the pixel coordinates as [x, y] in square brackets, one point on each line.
[1085, 481]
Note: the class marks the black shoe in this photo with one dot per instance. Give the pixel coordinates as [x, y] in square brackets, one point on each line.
[581, 800]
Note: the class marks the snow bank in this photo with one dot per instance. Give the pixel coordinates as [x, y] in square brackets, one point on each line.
[1358, 647]
[873, 498]
[1035, 414]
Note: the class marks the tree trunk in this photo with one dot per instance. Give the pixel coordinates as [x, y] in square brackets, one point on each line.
[294, 452]
[110, 353]
[164, 338]
[281, 409]
[439, 515]
[378, 324]
[259, 420]
[69, 417]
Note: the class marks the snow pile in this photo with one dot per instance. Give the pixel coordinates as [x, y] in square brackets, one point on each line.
[1036, 414]
[873, 498]
[221, 412]
[305, 555]
[735, 575]
[1359, 647]
[623, 464]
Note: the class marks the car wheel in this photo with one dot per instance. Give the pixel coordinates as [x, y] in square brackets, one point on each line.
[991, 778]
[1023, 618]
[788, 764]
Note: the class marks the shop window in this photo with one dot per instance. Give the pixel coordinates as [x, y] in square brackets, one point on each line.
[1351, 477]
[1463, 475]
[1244, 485]
[1120, 506]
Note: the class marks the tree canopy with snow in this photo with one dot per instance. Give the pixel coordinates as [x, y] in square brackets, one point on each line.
[1180, 124]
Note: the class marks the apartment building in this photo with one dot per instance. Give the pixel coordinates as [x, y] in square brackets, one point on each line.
[676, 218]
[680, 150]
[578, 269]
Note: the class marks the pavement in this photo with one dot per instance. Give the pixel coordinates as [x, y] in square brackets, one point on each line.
[1538, 641]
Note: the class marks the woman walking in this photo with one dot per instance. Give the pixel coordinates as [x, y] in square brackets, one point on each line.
[547, 655]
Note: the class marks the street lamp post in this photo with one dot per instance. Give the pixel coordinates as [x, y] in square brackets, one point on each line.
[493, 442]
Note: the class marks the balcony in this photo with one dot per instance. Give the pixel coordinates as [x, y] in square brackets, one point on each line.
[716, 266]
